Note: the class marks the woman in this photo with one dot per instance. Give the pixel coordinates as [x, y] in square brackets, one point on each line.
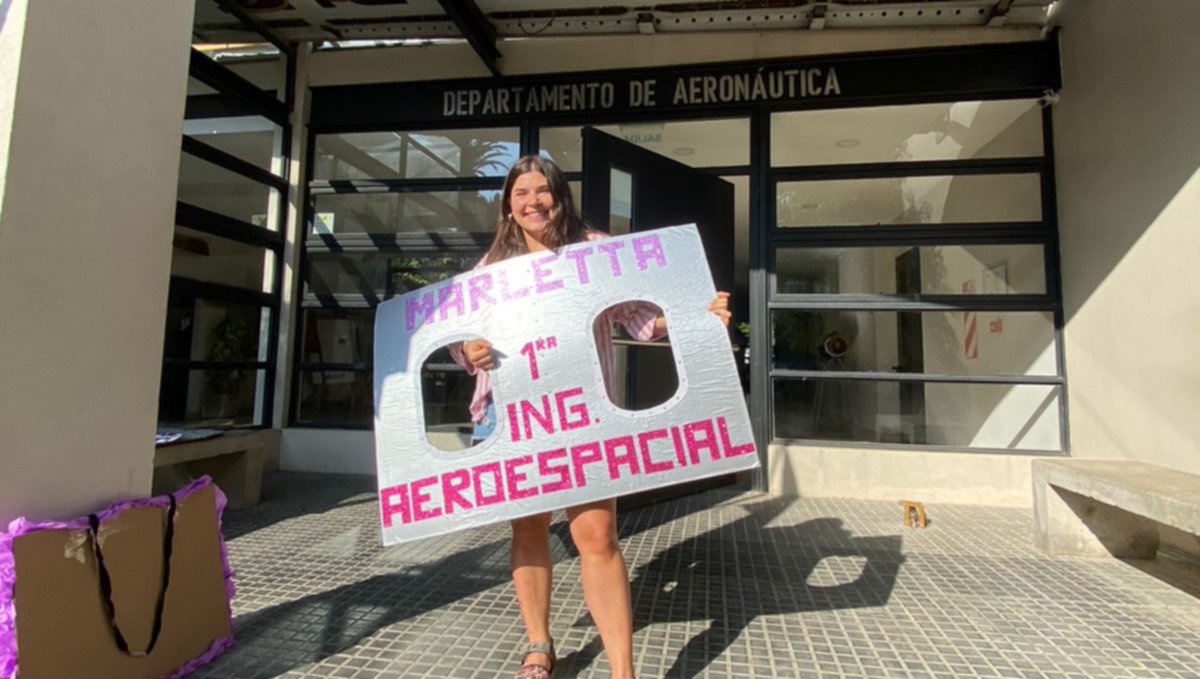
[537, 214]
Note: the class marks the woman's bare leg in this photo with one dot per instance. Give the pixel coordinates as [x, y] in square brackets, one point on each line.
[531, 572]
[605, 580]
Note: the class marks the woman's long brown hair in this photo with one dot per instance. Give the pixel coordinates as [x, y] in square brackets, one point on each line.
[566, 227]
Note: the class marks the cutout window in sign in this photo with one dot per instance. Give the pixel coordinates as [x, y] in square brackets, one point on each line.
[566, 421]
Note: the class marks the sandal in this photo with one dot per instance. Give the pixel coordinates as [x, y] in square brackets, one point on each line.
[536, 670]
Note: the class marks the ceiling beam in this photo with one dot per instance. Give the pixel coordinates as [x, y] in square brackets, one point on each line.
[252, 23]
[999, 14]
[475, 27]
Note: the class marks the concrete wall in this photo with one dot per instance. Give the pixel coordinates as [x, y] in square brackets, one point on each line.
[1127, 153]
[880, 474]
[88, 163]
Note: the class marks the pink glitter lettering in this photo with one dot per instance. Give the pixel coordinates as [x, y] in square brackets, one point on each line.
[478, 286]
[730, 449]
[540, 274]
[513, 477]
[493, 469]
[578, 411]
[453, 483]
[647, 248]
[615, 461]
[586, 453]
[649, 464]
[400, 505]
[419, 499]
[418, 310]
[562, 471]
[580, 265]
[611, 248]
[695, 444]
[450, 296]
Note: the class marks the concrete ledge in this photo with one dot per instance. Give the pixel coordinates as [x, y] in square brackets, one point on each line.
[234, 460]
[1110, 508]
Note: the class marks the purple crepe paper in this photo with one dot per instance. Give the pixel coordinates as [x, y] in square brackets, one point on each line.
[21, 526]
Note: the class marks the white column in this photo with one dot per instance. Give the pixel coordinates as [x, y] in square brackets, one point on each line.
[294, 234]
[91, 110]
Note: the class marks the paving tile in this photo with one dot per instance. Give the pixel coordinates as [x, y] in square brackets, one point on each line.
[724, 584]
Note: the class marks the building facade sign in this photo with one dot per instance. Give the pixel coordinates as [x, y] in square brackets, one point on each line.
[819, 82]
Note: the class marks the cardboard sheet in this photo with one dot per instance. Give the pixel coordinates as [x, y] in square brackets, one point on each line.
[62, 628]
[560, 440]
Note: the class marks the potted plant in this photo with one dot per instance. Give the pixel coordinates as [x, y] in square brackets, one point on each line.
[231, 340]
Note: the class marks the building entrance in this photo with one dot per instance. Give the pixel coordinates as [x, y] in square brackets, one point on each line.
[626, 189]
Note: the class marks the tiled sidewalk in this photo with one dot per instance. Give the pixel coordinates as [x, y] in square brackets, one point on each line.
[724, 585]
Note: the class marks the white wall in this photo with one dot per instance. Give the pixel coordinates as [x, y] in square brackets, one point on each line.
[1127, 154]
[88, 159]
[878, 474]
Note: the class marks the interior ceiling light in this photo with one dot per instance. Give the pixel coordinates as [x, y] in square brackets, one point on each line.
[684, 151]
[846, 143]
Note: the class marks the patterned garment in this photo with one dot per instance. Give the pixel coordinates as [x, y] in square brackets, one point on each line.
[636, 317]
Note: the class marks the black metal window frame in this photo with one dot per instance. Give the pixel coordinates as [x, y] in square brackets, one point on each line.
[236, 96]
[414, 244]
[1043, 232]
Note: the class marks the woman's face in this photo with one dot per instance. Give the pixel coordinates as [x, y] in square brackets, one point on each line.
[532, 204]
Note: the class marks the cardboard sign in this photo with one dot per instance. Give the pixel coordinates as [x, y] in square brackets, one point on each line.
[62, 626]
[559, 441]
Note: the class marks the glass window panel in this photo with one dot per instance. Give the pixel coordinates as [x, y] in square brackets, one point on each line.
[381, 274]
[940, 342]
[909, 200]
[1010, 417]
[210, 398]
[910, 270]
[408, 212]
[198, 88]
[945, 131]
[253, 139]
[338, 336]
[212, 187]
[698, 143]
[212, 259]
[411, 155]
[337, 397]
[210, 330]
[620, 208]
[446, 391]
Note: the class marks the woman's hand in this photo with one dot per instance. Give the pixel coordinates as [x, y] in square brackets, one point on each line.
[479, 353]
[720, 306]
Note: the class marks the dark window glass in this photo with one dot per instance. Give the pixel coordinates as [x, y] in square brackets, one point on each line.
[210, 330]
[212, 259]
[336, 397]
[909, 200]
[380, 274]
[338, 336]
[408, 212]
[416, 155]
[210, 398]
[1010, 417]
[214, 188]
[938, 342]
[912, 270]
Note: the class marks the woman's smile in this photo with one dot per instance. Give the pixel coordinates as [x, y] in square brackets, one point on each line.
[532, 203]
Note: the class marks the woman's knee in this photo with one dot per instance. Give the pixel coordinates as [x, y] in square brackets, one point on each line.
[595, 533]
[531, 529]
